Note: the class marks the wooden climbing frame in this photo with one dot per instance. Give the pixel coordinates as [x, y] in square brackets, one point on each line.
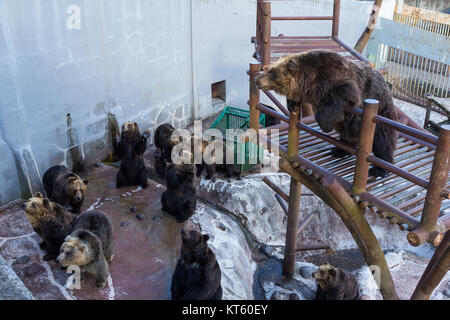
[415, 195]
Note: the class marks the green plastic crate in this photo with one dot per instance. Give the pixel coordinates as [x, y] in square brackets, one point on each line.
[233, 118]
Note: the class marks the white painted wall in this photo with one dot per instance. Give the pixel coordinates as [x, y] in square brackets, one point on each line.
[137, 59]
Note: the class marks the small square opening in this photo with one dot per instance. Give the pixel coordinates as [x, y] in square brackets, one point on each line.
[219, 90]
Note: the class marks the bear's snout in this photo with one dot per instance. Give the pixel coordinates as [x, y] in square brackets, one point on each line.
[24, 205]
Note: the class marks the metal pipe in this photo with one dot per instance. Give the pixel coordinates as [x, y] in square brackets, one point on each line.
[294, 200]
[325, 246]
[277, 189]
[365, 143]
[282, 204]
[254, 97]
[302, 18]
[335, 27]
[266, 31]
[304, 224]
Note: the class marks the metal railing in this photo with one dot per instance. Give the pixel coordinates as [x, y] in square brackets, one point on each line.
[428, 25]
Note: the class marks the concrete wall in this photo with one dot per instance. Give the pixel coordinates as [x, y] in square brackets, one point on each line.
[148, 61]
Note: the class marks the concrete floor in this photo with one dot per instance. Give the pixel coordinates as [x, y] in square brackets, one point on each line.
[146, 250]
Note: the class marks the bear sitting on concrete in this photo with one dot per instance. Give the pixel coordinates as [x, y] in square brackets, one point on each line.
[180, 198]
[130, 148]
[330, 82]
[50, 221]
[335, 284]
[89, 246]
[65, 187]
[197, 274]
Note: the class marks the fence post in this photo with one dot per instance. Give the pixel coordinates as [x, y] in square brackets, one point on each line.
[438, 180]
[336, 9]
[365, 146]
[254, 97]
[294, 199]
[266, 31]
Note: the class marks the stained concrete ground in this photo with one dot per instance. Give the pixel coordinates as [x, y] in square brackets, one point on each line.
[146, 249]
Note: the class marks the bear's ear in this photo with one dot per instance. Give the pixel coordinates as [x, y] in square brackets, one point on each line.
[135, 124]
[326, 262]
[205, 237]
[292, 65]
[83, 248]
[86, 181]
[38, 195]
[67, 238]
[46, 202]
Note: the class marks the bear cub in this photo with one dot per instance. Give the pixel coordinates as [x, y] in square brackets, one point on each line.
[65, 187]
[51, 221]
[89, 246]
[164, 145]
[130, 148]
[180, 198]
[197, 274]
[335, 284]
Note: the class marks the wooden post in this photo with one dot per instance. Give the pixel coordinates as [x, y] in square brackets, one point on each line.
[431, 208]
[365, 36]
[266, 31]
[254, 97]
[365, 146]
[294, 199]
[435, 271]
[336, 9]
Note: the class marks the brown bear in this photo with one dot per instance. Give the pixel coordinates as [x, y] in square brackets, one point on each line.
[130, 148]
[197, 275]
[330, 82]
[89, 246]
[65, 187]
[180, 198]
[51, 221]
[335, 284]
[213, 165]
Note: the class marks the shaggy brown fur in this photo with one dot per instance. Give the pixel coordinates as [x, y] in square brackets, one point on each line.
[65, 187]
[330, 82]
[50, 221]
[130, 148]
[335, 284]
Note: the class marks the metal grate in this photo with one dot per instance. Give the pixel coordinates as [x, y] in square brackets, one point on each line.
[413, 76]
[428, 25]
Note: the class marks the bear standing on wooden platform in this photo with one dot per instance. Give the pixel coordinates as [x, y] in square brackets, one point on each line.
[51, 221]
[335, 284]
[197, 275]
[130, 148]
[89, 246]
[330, 82]
[65, 187]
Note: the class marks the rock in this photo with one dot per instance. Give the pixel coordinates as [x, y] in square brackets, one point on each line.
[140, 216]
[23, 259]
[276, 296]
[268, 250]
[293, 296]
[133, 209]
[258, 257]
[364, 297]
[446, 293]
[33, 269]
[156, 218]
[222, 226]
[125, 224]
[306, 272]
[112, 185]
[98, 164]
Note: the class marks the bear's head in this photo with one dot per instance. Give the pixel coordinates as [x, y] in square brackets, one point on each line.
[194, 247]
[325, 275]
[36, 208]
[75, 251]
[281, 76]
[76, 188]
[130, 130]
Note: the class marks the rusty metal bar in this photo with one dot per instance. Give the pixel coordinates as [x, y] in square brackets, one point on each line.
[351, 50]
[302, 18]
[433, 200]
[282, 204]
[266, 31]
[335, 27]
[307, 247]
[254, 97]
[276, 188]
[435, 271]
[294, 200]
[277, 103]
[365, 143]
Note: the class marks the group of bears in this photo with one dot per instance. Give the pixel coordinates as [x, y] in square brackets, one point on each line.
[324, 79]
